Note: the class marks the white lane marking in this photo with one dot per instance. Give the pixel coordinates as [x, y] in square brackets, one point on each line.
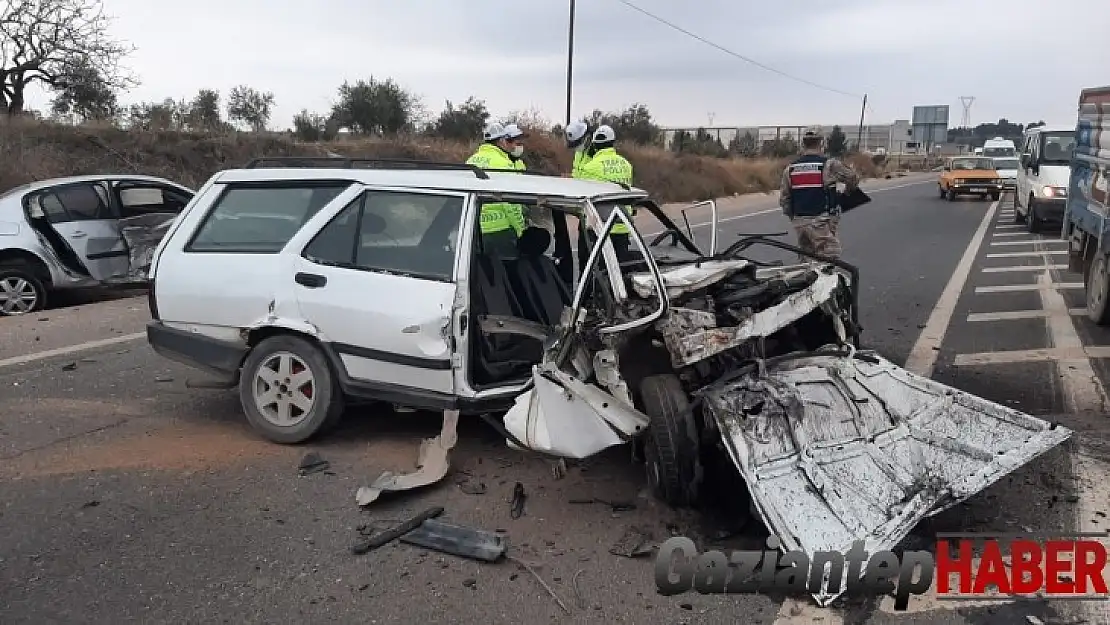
[1028, 254]
[1082, 390]
[1011, 315]
[69, 349]
[1017, 288]
[1010, 268]
[1026, 242]
[1009, 226]
[1009, 234]
[779, 210]
[923, 356]
[1052, 354]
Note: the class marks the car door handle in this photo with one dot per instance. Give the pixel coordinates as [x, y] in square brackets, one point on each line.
[77, 234]
[311, 280]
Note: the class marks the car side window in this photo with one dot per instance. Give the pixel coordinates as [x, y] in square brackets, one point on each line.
[254, 219]
[84, 202]
[142, 199]
[50, 207]
[414, 234]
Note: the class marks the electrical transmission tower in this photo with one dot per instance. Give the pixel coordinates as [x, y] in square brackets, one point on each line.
[967, 101]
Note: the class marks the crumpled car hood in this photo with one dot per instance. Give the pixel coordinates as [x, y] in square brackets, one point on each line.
[683, 279]
[836, 448]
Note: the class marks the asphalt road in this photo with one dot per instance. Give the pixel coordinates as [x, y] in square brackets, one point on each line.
[129, 497]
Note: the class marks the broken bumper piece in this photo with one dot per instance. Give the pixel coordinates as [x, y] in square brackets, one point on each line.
[837, 448]
[432, 464]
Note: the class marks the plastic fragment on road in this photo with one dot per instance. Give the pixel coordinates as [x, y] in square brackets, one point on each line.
[458, 540]
[432, 464]
[393, 533]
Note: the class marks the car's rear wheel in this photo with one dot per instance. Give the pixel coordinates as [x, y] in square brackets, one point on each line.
[21, 291]
[671, 447]
[288, 391]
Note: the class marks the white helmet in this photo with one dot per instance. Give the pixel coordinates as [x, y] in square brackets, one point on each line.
[493, 131]
[576, 131]
[512, 131]
[604, 134]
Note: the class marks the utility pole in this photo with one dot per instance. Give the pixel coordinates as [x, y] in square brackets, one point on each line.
[570, 58]
[859, 137]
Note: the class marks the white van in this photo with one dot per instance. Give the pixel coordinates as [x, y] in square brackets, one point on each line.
[999, 148]
[1042, 179]
[1007, 168]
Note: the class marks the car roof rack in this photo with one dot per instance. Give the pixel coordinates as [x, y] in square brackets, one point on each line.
[343, 162]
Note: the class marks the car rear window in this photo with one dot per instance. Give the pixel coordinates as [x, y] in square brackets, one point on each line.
[261, 220]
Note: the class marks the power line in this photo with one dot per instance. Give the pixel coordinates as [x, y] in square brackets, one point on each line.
[731, 53]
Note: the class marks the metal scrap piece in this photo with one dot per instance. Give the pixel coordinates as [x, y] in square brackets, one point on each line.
[432, 464]
[635, 542]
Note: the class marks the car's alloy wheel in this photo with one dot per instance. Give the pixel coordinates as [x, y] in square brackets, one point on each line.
[284, 389]
[20, 292]
[288, 391]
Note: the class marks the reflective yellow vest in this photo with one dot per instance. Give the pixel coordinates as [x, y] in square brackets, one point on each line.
[608, 166]
[580, 159]
[502, 215]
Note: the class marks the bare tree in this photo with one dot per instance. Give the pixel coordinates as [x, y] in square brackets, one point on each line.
[45, 40]
[250, 107]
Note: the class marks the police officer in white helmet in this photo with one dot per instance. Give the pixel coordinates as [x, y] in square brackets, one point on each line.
[577, 135]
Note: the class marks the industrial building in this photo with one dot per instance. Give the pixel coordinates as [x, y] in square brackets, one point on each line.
[926, 131]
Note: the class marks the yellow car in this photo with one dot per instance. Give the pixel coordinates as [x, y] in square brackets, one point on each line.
[970, 175]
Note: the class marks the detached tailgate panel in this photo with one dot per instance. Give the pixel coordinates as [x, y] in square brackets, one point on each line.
[837, 449]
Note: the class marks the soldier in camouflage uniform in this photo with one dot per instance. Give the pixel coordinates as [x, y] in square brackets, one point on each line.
[808, 196]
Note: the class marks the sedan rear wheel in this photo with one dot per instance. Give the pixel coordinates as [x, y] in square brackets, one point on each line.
[21, 292]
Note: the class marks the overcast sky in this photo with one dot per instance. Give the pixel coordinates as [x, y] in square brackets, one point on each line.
[1022, 59]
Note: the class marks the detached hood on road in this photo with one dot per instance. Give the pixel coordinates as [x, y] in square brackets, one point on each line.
[837, 448]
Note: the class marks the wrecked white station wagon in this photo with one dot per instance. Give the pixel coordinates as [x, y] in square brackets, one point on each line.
[313, 283]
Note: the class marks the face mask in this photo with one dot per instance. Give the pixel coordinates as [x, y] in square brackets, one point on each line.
[518, 151]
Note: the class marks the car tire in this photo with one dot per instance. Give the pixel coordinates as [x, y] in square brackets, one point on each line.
[951, 195]
[265, 396]
[942, 193]
[1031, 223]
[21, 291]
[671, 449]
[1018, 217]
[1098, 291]
[995, 197]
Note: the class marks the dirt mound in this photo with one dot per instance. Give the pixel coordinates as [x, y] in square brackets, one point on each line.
[34, 150]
